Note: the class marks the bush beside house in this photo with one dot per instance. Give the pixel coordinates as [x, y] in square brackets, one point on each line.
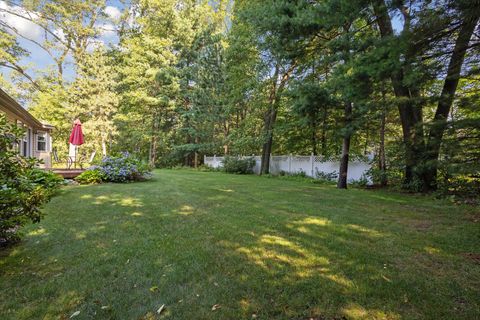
[23, 187]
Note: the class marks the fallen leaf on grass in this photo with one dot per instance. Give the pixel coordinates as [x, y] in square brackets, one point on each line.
[160, 309]
[154, 288]
[105, 307]
[76, 313]
[215, 307]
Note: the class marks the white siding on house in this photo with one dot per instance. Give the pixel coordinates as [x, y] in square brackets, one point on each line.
[27, 145]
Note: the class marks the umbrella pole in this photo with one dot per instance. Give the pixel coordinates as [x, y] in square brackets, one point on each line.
[75, 159]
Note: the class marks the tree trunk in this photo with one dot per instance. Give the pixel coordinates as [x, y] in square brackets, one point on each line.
[268, 126]
[445, 103]
[153, 150]
[324, 132]
[410, 115]
[342, 177]
[270, 118]
[104, 146]
[226, 133]
[195, 159]
[382, 165]
[271, 115]
[154, 141]
[367, 136]
[314, 140]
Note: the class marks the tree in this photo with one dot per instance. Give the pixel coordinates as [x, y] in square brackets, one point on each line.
[277, 67]
[94, 100]
[421, 45]
[10, 54]
[145, 102]
[206, 120]
[68, 28]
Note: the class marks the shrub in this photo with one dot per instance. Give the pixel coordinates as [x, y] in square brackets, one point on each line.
[90, 176]
[282, 173]
[205, 168]
[360, 183]
[299, 174]
[23, 188]
[238, 165]
[124, 168]
[326, 176]
[47, 179]
[460, 189]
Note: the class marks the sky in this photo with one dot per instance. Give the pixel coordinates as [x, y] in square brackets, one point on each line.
[40, 60]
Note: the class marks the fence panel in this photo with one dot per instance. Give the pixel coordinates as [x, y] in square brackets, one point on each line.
[311, 165]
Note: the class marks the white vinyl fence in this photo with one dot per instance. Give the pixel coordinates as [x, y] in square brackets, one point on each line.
[311, 165]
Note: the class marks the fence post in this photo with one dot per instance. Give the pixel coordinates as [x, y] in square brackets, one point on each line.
[290, 163]
[204, 159]
[214, 160]
[312, 161]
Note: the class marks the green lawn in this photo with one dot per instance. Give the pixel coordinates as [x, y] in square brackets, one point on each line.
[258, 247]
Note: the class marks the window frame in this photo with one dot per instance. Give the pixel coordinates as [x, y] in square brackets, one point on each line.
[44, 136]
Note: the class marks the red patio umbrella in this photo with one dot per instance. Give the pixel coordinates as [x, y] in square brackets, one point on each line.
[76, 139]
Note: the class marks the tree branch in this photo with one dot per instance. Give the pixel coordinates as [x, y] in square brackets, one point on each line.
[20, 70]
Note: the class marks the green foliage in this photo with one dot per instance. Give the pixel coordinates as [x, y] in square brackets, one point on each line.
[362, 182]
[204, 168]
[191, 78]
[51, 105]
[94, 100]
[90, 176]
[320, 175]
[299, 174]
[48, 179]
[238, 165]
[459, 182]
[302, 176]
[23, 187]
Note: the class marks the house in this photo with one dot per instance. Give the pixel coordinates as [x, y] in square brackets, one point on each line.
[37, 141]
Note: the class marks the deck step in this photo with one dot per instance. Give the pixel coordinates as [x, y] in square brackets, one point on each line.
[68, 173]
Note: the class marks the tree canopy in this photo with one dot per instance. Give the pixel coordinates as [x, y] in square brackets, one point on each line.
[341, 79]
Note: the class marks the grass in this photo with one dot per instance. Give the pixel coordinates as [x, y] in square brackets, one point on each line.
[258, 247]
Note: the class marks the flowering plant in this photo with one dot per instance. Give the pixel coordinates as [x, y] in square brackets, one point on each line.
[123, 168]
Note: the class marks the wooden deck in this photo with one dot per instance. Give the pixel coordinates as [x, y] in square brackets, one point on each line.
[67, 173]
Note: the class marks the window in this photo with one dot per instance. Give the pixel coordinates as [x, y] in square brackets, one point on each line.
[25, 148]
[41, 142]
